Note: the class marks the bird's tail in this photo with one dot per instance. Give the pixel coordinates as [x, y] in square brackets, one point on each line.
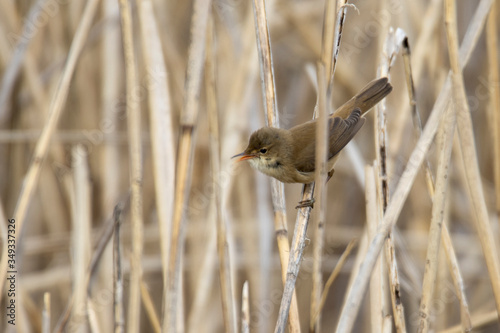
[368, 97]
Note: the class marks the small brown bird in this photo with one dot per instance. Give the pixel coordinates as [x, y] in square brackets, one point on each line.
[289, 155]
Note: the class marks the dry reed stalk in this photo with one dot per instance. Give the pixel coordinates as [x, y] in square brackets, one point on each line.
[133, 112]
[494, 89]
[335, 273]
[447, 131]
[373, 218]
[162, 138]
[228, 298]
[272, 120]
[458, 282]
[118, 306]
[204, 286]
[395, 205]
[46, 313]
[296, 251]
[320, 179]
[149, 307]
[189, 117]
[445, 236]
[324, 71]
[109, 154]
[468, 148]
[342, 6]
[56, 108]
[245, 309]
[417, 122]
[319, 231]
[81, 218]
[327, 36]
[390, 49]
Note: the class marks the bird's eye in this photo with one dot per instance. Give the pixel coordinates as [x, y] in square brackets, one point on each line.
[263, 150]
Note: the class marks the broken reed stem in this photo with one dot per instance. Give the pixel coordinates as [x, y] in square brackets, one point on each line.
[272, 120]
[56, 108]
[245, 309]
[188, 125]
[161, 129]
[226, 279]
[355, 295]
[468, 148]
[337, 38]
[417, 122]
[133, 112]
[320, 179]
[432, 19]
[445, 236]
[118, 306]
[494, 89]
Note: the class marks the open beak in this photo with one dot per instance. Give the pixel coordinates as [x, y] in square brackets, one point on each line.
[244, 156]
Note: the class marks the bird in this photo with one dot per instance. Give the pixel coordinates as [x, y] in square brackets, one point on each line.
[289, 154]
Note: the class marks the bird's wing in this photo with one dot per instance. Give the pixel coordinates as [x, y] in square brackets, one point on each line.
[341, 132]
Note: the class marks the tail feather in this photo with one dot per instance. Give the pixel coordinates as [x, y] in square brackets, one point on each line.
[367, 98]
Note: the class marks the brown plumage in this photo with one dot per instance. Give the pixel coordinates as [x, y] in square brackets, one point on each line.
[289, 155]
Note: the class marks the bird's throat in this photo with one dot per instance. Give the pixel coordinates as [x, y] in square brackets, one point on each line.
[269, 166]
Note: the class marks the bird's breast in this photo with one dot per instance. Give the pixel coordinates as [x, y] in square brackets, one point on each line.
[275, 168]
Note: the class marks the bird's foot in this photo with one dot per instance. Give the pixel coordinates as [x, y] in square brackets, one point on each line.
[306, 203]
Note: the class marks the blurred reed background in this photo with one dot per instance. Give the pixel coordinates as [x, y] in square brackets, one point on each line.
[117, 124]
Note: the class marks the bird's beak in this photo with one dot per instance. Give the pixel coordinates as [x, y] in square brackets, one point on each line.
[244, 156]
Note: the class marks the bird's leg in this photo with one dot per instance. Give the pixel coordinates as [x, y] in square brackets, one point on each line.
[306, 203]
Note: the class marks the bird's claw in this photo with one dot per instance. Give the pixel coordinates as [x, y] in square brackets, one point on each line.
[306, 203]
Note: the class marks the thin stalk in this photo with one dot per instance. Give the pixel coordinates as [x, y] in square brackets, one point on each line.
[133, 112]
[320, 179]
[494, 89]
[225, 273]
[162, 134]
[189, 119]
